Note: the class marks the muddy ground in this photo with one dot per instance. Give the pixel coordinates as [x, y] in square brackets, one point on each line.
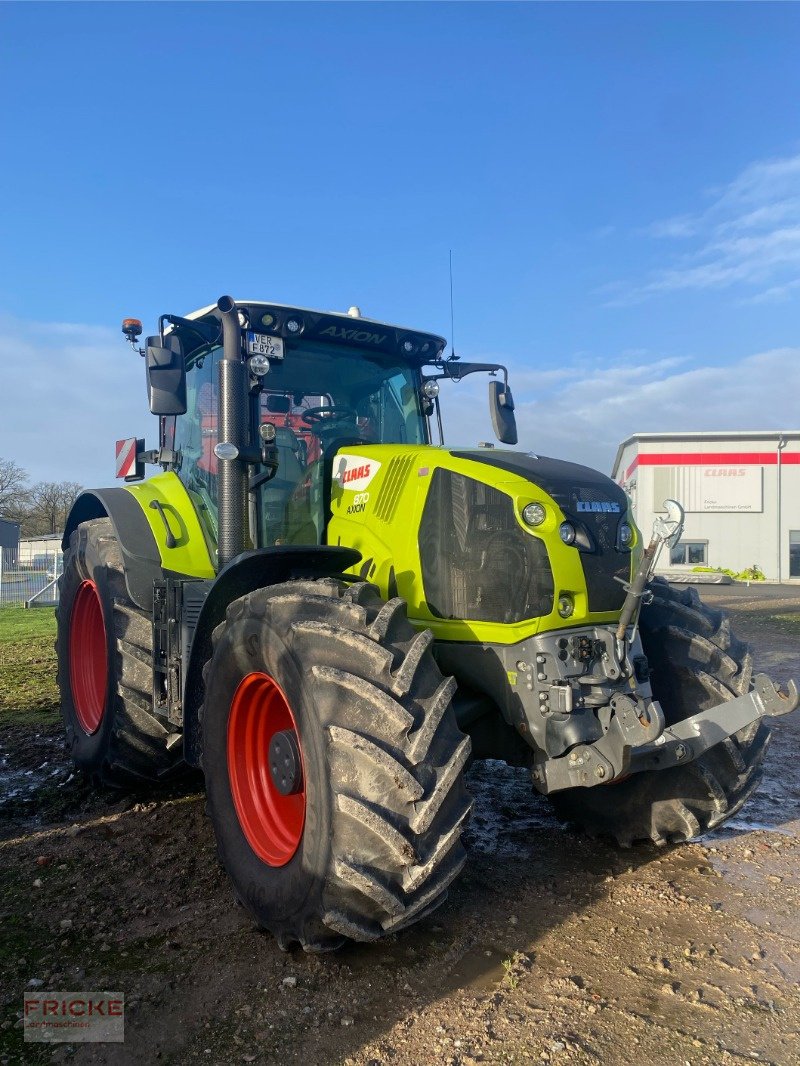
[551, 947]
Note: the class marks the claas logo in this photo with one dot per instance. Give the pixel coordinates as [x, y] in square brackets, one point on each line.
[599, 507]
[355, 472]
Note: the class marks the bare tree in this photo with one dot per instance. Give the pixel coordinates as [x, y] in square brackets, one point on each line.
[48, 505]
[13, 489]
[41, 508]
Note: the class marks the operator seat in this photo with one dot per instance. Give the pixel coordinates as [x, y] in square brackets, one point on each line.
[277, 492]
[290, 468]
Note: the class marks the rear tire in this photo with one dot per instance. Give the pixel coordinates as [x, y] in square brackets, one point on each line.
[105, 668]
[370, 839]
[696, 663]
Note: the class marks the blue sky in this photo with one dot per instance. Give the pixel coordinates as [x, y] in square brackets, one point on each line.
[620, 185]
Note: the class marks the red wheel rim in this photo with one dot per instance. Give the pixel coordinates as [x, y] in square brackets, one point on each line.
[88, 662]
[271, 822]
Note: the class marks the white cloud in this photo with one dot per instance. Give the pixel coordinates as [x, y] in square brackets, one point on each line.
[748, 236]
[777, 293]
[672, 228]
[584, 416]
[68, 392]
[602, 233]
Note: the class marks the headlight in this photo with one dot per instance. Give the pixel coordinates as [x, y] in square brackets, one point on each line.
[430, 389]
[567, 532]
[565, 605]
[258, 365]
[533, 514]
[294, 325]
[625, 535]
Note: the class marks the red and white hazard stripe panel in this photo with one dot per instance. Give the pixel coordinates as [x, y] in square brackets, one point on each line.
[126, 457]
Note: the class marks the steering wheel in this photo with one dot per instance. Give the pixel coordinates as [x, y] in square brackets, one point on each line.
[318, 418]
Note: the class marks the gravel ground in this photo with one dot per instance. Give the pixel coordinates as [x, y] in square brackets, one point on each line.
[551, 947]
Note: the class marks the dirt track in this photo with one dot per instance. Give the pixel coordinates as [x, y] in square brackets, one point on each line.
[552, 947]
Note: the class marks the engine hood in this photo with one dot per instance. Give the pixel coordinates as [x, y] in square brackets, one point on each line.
[578, 490]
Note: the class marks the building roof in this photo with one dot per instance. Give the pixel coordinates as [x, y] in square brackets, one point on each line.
[704, 435]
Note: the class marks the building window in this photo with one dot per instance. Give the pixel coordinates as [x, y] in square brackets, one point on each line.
[693, 553]
[794, 553]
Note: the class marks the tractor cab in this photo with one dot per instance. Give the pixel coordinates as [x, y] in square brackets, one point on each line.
[316, 383]
[321, 382]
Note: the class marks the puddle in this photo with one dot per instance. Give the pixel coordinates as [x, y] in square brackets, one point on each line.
[507, 815]
[29, 791]
[22, 784]
[481, 968]
[775, 805]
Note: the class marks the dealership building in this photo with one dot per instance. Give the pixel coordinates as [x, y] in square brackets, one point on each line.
[740, 492]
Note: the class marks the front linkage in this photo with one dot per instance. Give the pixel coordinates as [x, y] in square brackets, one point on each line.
[637, 738]
[611, 673]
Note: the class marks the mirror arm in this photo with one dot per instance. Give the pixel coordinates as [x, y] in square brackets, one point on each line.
[205, 332]
[463, 369]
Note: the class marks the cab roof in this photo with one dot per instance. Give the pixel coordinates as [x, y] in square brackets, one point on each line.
[335, 327]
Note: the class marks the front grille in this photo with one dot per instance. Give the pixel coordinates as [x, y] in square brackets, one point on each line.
[605, 564]
[477, 562]
[570, 484]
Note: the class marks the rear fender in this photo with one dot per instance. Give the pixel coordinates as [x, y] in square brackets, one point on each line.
[141, 558]
[158, 529]
[249, 571]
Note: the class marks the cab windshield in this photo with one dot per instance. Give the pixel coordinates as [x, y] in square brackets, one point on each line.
[320, 398]
[366, 393]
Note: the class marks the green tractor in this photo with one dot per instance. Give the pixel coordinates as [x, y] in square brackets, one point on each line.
[330, 616]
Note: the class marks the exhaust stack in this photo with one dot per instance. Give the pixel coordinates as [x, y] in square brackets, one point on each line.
[232, 422]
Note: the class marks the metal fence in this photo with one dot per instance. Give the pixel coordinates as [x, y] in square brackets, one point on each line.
[34, 582]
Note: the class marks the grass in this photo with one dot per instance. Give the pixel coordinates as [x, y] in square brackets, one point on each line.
[28, 692]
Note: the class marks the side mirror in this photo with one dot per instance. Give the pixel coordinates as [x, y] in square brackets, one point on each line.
[501, 408]
[166, 376]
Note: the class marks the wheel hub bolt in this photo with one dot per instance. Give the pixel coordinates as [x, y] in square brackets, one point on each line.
[285, 765]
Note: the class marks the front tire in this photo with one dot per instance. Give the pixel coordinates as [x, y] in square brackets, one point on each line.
[696, 663]
[333, 763]
[105, 668]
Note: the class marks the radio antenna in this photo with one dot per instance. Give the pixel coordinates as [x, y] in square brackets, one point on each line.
[452, 327]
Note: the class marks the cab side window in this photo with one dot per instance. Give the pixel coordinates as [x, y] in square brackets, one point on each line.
[196, 433]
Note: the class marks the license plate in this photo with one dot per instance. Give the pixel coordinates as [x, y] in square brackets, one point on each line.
[262, 344]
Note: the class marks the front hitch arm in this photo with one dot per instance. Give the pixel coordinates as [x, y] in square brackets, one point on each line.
[628, 749]
[690, 738]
